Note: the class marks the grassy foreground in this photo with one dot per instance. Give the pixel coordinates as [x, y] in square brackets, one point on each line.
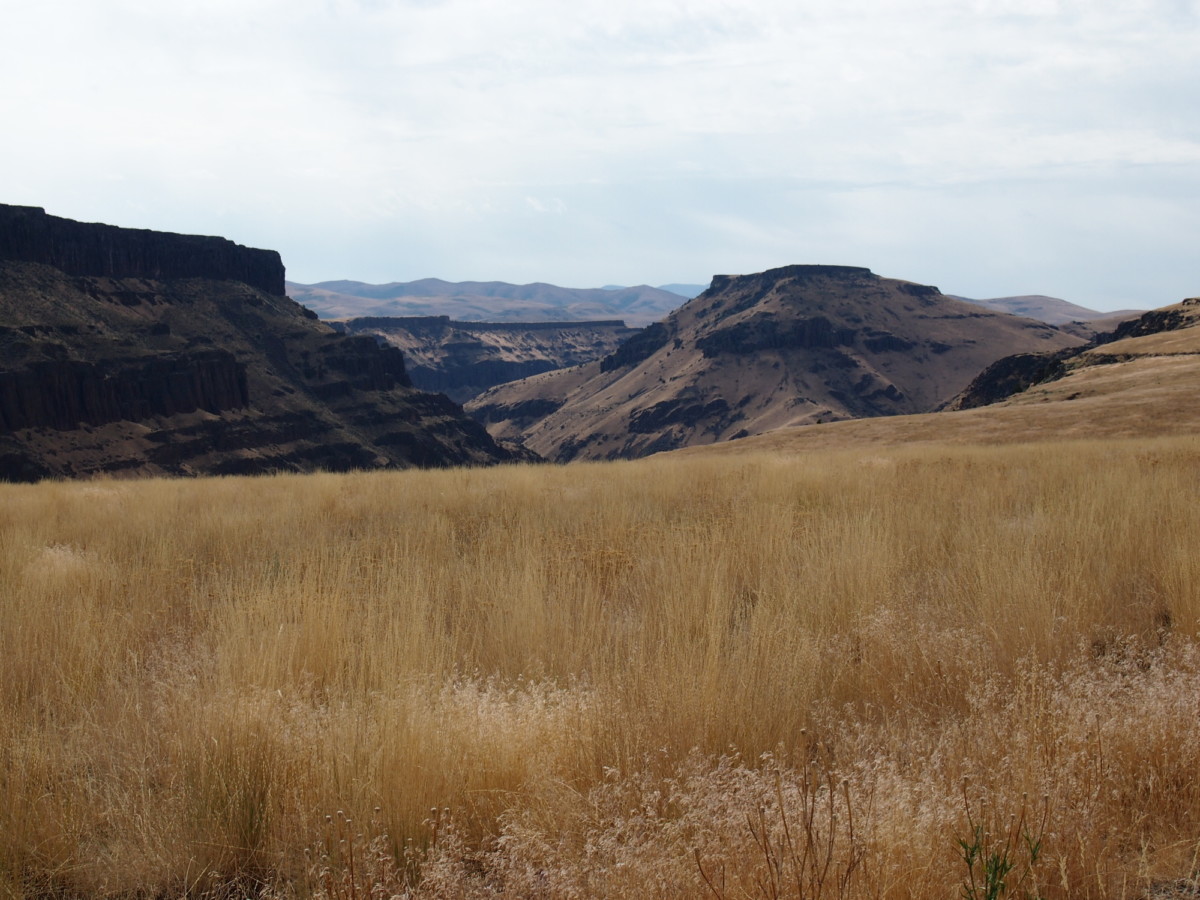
[895, 674]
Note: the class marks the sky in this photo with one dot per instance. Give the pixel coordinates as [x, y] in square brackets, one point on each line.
[989, 147]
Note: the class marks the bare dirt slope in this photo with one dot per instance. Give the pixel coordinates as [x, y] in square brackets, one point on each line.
[755, 353]
[1141, 384]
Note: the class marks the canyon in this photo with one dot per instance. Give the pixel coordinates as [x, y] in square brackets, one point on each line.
[792, 346]
[138, 352]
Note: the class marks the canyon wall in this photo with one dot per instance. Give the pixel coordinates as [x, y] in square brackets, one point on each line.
[66, 393]
[28, 234]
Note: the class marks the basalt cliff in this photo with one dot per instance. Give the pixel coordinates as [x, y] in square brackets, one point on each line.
[754, 353]
[130, 351]
[28, 234]
[463, 359]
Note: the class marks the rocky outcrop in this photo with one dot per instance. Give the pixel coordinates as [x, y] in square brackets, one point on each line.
[1016, 374]
[767, 332]
[199, 375]
[69, 393]
[28, 234]
[640, 346]
[1011, 375]
[1155, 321]
[462, 381]
[761, 283]
[367, 365]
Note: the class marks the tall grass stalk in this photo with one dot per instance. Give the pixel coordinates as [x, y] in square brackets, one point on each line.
[608, 673]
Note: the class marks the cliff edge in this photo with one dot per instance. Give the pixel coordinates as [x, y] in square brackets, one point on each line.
[195, 371]
[28, 234]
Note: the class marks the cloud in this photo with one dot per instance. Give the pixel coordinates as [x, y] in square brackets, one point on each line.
[665, 139]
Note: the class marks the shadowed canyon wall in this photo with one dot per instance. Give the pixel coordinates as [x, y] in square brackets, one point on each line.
[65, 393]
[128, 351]
[28, 234]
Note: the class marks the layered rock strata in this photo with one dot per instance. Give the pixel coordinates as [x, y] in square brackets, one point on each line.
[463, 359]
[197, 373]
[28, 234]
[792, 346]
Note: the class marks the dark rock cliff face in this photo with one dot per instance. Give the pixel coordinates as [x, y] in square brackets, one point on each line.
[1011, 375]
[369, 366]
[463, 381]
[205, 374]
[1153, 322]
[28, 234]
[799, 274]
[66, 393]
[766, 332]
[639, 347]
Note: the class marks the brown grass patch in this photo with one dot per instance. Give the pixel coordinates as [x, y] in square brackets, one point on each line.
[687, 677]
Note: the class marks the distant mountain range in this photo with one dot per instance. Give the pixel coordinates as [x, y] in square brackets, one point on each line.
[1049, 309]
[486, 301]
[683, 290]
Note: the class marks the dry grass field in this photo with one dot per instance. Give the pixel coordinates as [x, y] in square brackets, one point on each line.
[1135, 387]
[932, 672]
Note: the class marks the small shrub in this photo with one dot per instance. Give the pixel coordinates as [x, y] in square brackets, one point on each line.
[999, 866]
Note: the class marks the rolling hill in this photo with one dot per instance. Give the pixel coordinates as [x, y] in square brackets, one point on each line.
[1139, 381]
[1051, 309]
[791, 346]
[490, 301]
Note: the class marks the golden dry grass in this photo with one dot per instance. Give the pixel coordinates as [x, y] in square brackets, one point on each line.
[1133, 388]
[1139, 397]
[756, 676]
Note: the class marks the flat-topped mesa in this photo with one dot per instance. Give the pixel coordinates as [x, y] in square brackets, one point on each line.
[28, 234]
[796, 272]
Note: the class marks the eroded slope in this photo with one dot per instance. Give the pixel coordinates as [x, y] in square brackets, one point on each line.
[190, 376]
[755, 353]
[1139, 381]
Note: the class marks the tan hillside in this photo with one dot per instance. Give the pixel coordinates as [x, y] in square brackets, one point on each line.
[755, 353]
[1143, 385]
[1051, 309]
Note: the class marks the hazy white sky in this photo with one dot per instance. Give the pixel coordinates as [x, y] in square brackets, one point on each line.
[990, 147]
